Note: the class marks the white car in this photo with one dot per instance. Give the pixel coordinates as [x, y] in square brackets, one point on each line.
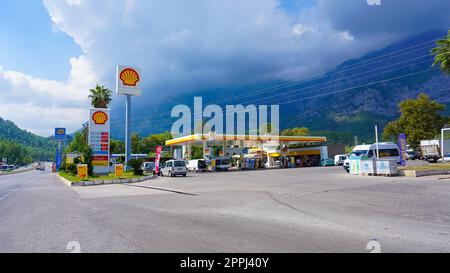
[174, 167]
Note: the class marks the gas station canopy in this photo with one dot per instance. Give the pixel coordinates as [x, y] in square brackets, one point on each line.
[213, 139]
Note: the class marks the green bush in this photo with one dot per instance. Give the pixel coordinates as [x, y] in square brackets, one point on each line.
[135, 164]
[77, 160]
[87, 155]
[71, 168]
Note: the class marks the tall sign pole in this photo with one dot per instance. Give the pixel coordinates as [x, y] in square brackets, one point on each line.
[60, 135]
[127, 129]
[128, 83]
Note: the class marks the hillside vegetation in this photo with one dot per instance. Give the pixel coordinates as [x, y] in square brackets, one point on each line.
[22, 147]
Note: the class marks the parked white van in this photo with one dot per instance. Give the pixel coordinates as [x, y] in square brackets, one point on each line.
[174, 167]
[339, 160]
[197, 165]
[387, 150]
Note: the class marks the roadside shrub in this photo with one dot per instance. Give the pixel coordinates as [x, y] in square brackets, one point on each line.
[71, 168]
[77, 160]
[135, 164]
[87, 155]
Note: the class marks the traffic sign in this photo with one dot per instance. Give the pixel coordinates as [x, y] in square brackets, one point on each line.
[60, 133]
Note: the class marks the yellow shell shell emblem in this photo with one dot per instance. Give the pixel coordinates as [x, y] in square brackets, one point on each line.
[129, 77]
[100, 117]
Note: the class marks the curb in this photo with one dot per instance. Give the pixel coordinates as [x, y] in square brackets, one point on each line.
[414, 173]
[105, 182]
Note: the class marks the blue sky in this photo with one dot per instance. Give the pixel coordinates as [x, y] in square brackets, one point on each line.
[182, 46]
[29, 43]
[293, 6]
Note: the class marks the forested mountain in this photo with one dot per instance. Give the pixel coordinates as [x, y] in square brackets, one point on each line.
[342, 103]
[22, 147]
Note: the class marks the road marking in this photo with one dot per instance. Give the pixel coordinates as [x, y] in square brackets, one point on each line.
[6, 195]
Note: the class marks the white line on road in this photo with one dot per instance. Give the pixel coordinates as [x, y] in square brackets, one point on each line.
[6, 195]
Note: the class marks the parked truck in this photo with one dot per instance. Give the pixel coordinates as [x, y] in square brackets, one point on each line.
[431, 151]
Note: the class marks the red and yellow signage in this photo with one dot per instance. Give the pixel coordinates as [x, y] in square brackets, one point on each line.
[119, 170]
[129, 77]
[100, 161]
[100, 117]
[99, 127]
[82, 170]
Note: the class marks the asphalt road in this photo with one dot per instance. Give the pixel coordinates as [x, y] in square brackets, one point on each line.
[289, 210]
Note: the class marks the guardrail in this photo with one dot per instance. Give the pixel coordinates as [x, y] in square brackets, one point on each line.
[20, 170]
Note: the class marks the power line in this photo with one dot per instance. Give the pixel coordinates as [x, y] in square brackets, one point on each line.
[295, 82]
[284, 94]
[147, 119]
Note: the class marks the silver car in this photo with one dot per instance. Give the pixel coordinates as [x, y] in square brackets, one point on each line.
[174, 167]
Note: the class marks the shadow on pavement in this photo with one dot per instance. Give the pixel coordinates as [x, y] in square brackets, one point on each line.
[160, 189]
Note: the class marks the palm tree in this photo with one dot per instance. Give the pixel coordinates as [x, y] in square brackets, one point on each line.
[100, 97]
[442, 52]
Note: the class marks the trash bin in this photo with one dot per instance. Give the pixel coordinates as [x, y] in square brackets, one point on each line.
[386, 167]
[354, 165]
[368, 167]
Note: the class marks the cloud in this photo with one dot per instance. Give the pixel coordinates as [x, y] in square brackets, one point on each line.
[39, 105]
[191, 45]
[395, 17]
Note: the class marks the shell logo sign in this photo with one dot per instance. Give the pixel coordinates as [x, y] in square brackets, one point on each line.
[100, 117]
[129, 77]
[128, 80]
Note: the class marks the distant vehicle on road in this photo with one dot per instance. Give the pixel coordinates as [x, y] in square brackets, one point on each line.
[387, 150]
[197, 165]
[326, 162]
[413, 155]
[446, 158]
[339, 160]
[430, 150]
[40, 166]
[174, 167]
[4, 168]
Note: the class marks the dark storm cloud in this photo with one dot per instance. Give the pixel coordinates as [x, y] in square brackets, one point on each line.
[392, 17]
